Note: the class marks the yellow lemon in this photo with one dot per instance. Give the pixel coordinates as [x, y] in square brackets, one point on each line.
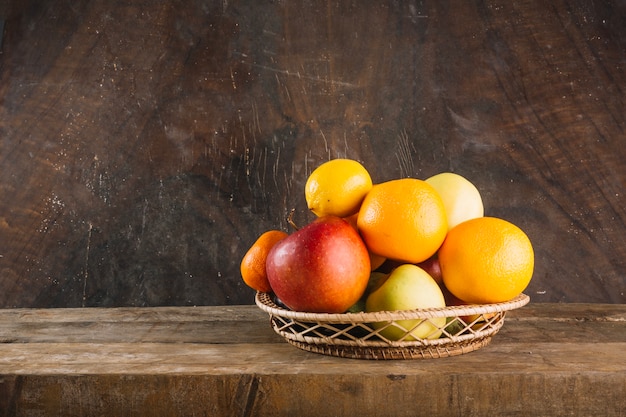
[337, 188]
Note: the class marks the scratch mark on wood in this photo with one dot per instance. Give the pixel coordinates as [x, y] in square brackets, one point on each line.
[247, 161]
[218, 185]
[255, 113]
[143, 217]
[264, 169]
[86, 272]
[404, 155]
[275, 168]
[325, 143]
[232, 77]
[315, 78]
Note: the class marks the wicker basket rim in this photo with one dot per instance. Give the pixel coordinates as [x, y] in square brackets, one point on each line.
[265, 302]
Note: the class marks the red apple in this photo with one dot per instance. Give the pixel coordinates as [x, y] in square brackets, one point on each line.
[322, 268]
[431, 265]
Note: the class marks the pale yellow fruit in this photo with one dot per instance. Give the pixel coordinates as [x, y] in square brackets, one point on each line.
[337, 188]
[408, 287]
[461, 198]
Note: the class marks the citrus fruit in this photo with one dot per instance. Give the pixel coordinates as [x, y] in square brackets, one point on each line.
[486, 260]
[252, 266]
[403, 220]
[337, 188]
[460, 197]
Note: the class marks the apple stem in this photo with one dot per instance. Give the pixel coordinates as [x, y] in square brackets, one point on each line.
[290, 219]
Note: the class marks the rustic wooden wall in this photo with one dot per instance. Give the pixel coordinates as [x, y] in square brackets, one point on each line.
[144, 144]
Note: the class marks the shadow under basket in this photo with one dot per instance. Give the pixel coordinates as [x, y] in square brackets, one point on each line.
[416, 333]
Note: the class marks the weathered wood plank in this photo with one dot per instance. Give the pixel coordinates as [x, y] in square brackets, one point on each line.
[569, 312]
[501, 357]
[211, 324]
[311, 395]
[548, 360]
[165, 324]
[207, 324]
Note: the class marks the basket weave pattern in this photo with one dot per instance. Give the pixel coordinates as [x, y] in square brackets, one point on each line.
[351, 335]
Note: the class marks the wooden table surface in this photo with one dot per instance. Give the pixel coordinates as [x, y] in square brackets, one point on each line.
[547, 360]
[145, 144]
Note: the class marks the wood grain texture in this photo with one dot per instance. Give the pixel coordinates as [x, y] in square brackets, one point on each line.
[144, 144]
[548, 360]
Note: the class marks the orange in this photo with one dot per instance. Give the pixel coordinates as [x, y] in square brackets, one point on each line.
[486, 260]
[253, 262]
[403, 220]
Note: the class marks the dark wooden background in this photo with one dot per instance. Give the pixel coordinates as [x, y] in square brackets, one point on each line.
[145, 144]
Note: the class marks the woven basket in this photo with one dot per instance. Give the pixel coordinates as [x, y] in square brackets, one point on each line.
[351, 335]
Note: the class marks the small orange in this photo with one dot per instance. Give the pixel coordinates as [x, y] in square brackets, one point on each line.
[486, 260]
[403, 220]
[253, 262]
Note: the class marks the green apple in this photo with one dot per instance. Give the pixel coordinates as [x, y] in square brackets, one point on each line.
[408, 287]
[461, 198]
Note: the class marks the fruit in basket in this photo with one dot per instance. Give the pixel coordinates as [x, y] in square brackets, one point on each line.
[451, 301]
[376, 279]
[460, 197]
[337, 188]
[432, 266]
[408, 287]
[375, 260]
[252, 265]
[323, 267]
[486, 260]
[403, 219]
